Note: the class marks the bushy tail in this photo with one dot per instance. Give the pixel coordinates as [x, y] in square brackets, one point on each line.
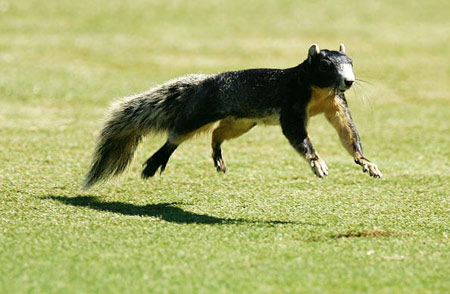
[111, 157]
[134, 117]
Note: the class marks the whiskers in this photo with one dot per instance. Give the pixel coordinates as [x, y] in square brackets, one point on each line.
[358, 91]
[364, 81]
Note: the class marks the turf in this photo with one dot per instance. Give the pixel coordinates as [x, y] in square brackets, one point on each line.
[268, 225]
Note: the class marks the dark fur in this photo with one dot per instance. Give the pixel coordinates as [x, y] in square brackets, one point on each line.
[193, 102]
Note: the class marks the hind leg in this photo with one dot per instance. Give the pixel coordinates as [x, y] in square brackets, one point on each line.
[228, 128]
[182, 131]
[158, 159]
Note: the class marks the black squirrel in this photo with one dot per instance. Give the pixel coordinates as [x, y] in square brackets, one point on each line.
[232, 103]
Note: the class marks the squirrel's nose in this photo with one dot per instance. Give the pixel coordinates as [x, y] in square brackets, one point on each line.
[348, 83]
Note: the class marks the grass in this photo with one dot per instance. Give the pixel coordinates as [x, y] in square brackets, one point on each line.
[267, 226]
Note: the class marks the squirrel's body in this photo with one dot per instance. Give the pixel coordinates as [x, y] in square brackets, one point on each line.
[232, 103]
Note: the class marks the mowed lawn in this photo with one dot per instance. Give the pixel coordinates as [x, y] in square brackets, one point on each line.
[267, 225]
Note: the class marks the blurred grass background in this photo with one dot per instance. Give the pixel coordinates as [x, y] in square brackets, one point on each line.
[267, 226]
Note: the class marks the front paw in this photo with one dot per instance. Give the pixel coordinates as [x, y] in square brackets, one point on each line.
[319, 167]
[371, 168]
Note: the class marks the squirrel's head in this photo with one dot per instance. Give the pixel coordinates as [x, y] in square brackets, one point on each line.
[330, 69]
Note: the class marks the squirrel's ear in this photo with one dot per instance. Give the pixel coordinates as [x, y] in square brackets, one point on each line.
[313, 50]
[342, 48]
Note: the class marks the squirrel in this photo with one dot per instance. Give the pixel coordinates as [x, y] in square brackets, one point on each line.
[231, 103]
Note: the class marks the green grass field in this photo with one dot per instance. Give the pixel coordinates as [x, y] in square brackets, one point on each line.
[268, 225]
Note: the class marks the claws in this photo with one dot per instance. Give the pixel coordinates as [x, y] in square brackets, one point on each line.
[319, 167]
[371, 168]
[219, 163]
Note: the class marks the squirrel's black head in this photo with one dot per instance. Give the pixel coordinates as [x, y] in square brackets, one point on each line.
[330, 69]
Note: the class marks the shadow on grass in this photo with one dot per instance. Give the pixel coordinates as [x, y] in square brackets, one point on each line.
[165, 211]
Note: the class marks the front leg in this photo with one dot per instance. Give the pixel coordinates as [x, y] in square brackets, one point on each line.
[293, 124]
[317, 164]
[338, 114]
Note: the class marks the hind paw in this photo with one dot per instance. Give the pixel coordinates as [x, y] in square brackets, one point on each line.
[150, 168]
[159, 159]
[219, 163]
